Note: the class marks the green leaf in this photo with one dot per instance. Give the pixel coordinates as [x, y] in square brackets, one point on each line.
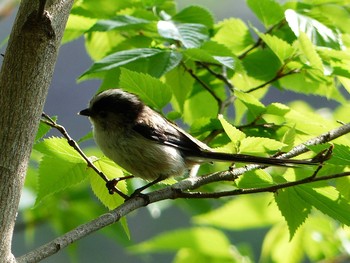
[268, 11]
[91, 8]
[318, 33]
[255, 179]
[258, 212]
[293, 208]
[190, 35]
[309, 51]
[121, 58]
[98, 185]
[181, 84]
[86, 137]
[147, 57]
[99, 44]
[200, 104]
[151, 90]
[254, 106]
[76, 26]
[258, 67]
[43, 129]
[328, 200]
[338, 14]
[195, 15]
[304, 82]
[258, 145]
[118, 22]
[203, 124]
[201, 55]
[208, 241]
[281, 48]
[340, 155]
[278, 109]
[277, 247]
[61, 167]
[234, 34]
[232, 132]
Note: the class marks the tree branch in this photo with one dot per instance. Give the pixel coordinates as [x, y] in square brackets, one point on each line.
[178, 191]
[111, 184]
[25, 77]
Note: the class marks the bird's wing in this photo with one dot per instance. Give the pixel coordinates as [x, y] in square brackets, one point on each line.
[167, 133]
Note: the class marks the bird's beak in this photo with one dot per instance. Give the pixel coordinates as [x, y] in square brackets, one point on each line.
[85, 112]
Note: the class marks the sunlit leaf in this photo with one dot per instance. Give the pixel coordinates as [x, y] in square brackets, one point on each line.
[151, 90]
[234, 34]
[98, 185]
[268, 11]
[254, 106]
[318, 33]
[122, 21]
[61, 167]
[195, 15]
[328, 200]
[257, 213]
[208, 241]
[232, 132]
[190, 35]
[281, 48]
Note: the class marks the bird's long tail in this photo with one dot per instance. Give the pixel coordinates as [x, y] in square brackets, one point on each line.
[206, 156]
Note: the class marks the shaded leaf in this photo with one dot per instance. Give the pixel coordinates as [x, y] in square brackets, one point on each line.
[165, 61]
[293, 208]
[43, 129]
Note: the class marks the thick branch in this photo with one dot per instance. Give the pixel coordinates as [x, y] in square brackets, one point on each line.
[24, 80]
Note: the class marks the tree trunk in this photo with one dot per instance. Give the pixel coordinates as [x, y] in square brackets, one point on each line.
[24, 81]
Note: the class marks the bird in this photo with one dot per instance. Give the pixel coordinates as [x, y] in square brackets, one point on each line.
[147, 145]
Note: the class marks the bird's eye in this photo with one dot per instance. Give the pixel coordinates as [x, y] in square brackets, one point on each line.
[103, 114]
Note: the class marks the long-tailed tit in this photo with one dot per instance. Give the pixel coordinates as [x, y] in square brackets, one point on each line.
[147, 145]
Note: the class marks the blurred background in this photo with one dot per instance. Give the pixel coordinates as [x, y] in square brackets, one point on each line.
[66, 98]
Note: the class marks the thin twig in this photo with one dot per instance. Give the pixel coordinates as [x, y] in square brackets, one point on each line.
[217, 75]
[111, 184]
[272, 188]
[278, 76]
[259, 41]
[203, 84]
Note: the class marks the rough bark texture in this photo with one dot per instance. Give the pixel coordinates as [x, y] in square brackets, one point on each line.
[24, 81]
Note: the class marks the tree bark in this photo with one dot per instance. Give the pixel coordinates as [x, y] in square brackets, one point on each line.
[25, 77]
